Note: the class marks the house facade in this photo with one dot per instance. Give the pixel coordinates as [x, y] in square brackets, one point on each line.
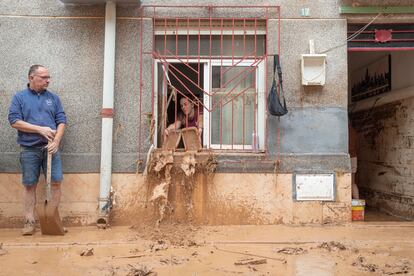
[121, 68]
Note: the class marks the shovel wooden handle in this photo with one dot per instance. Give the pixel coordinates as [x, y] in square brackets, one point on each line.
[48, 176]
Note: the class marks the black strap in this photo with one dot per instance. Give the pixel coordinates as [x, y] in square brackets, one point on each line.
[276, 67]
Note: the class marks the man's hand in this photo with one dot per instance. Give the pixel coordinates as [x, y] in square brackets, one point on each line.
[53, 146]
[48, 133]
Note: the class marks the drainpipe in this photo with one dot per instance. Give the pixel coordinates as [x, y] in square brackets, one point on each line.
[105, 201]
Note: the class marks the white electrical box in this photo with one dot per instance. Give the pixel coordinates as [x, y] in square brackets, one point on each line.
[313, 69]
[319, 187]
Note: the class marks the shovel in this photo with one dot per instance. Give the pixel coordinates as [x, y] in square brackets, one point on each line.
[50, 223]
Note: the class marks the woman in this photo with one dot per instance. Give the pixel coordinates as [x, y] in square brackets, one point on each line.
[190, 116]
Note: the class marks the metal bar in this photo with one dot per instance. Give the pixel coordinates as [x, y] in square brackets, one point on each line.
[234, 87]
[238, 94]
[391, 40]
[256, 94]
[198, 64]
[178, 58]
[172, 55]
[187, 78]
[209, 6]
[210, 76]
[220, 86]
[232, 45]
[174, 71]
[376, 9]
[175, 109]
[243, 119]
[234, 65]
[140, 89]
[176, 37]
[188, 37]
[236, 76]
[165, 108]
[392, 31]
[153, 84]
[255, 38]
[185, 86]
[221, 53]
[373, 49]
[184, 75]
[244, 36]
[206, 32]
[232, 102]
[186, 115]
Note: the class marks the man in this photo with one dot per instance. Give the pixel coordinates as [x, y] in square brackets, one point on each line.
[39, 117]
[189, 117]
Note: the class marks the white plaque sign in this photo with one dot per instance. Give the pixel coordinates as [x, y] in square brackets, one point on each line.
[315, 186]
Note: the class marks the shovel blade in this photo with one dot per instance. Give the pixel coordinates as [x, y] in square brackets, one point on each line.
[50, 222]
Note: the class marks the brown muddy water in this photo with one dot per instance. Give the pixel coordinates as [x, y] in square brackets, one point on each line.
[173, 249]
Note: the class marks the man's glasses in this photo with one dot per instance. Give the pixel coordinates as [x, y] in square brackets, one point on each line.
[43, 77]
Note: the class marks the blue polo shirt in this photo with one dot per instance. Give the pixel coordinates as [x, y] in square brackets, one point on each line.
[41, 109]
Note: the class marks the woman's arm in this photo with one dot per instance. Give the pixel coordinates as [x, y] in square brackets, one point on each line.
[176, 125]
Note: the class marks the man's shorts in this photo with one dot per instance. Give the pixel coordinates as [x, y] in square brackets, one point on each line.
[354, 164]
[32, 159]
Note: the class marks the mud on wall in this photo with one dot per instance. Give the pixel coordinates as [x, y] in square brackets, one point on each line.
[230, 198]
[386, 157]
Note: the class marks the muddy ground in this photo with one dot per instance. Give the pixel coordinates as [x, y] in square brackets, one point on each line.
[382, 248]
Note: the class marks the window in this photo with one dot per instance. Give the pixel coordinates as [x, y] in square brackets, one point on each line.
[222, 73]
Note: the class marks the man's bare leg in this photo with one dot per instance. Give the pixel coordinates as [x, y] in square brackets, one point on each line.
[29, 202]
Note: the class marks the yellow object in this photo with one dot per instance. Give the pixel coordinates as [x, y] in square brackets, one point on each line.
[358, 210]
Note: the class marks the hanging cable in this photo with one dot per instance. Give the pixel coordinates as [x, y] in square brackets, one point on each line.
[354, 35]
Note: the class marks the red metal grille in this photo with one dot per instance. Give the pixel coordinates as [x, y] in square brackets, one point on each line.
[215, 61]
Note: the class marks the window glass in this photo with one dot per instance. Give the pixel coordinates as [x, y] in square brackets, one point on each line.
[233, 104]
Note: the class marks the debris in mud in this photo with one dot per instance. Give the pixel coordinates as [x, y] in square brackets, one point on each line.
[252, 268]
[210, 165]
[191, 243]
[158, 246]
[160, 159]
[174, 260]
[87, 252]
[188, 164]
[250, 261]
[360, 262]
[292, 250]
[173, 234]
[332, 246]
[129, 257]
[140, 270]
[2, 251]
[160, 191]
[401, 267]
[135, 251]
[171, 179]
